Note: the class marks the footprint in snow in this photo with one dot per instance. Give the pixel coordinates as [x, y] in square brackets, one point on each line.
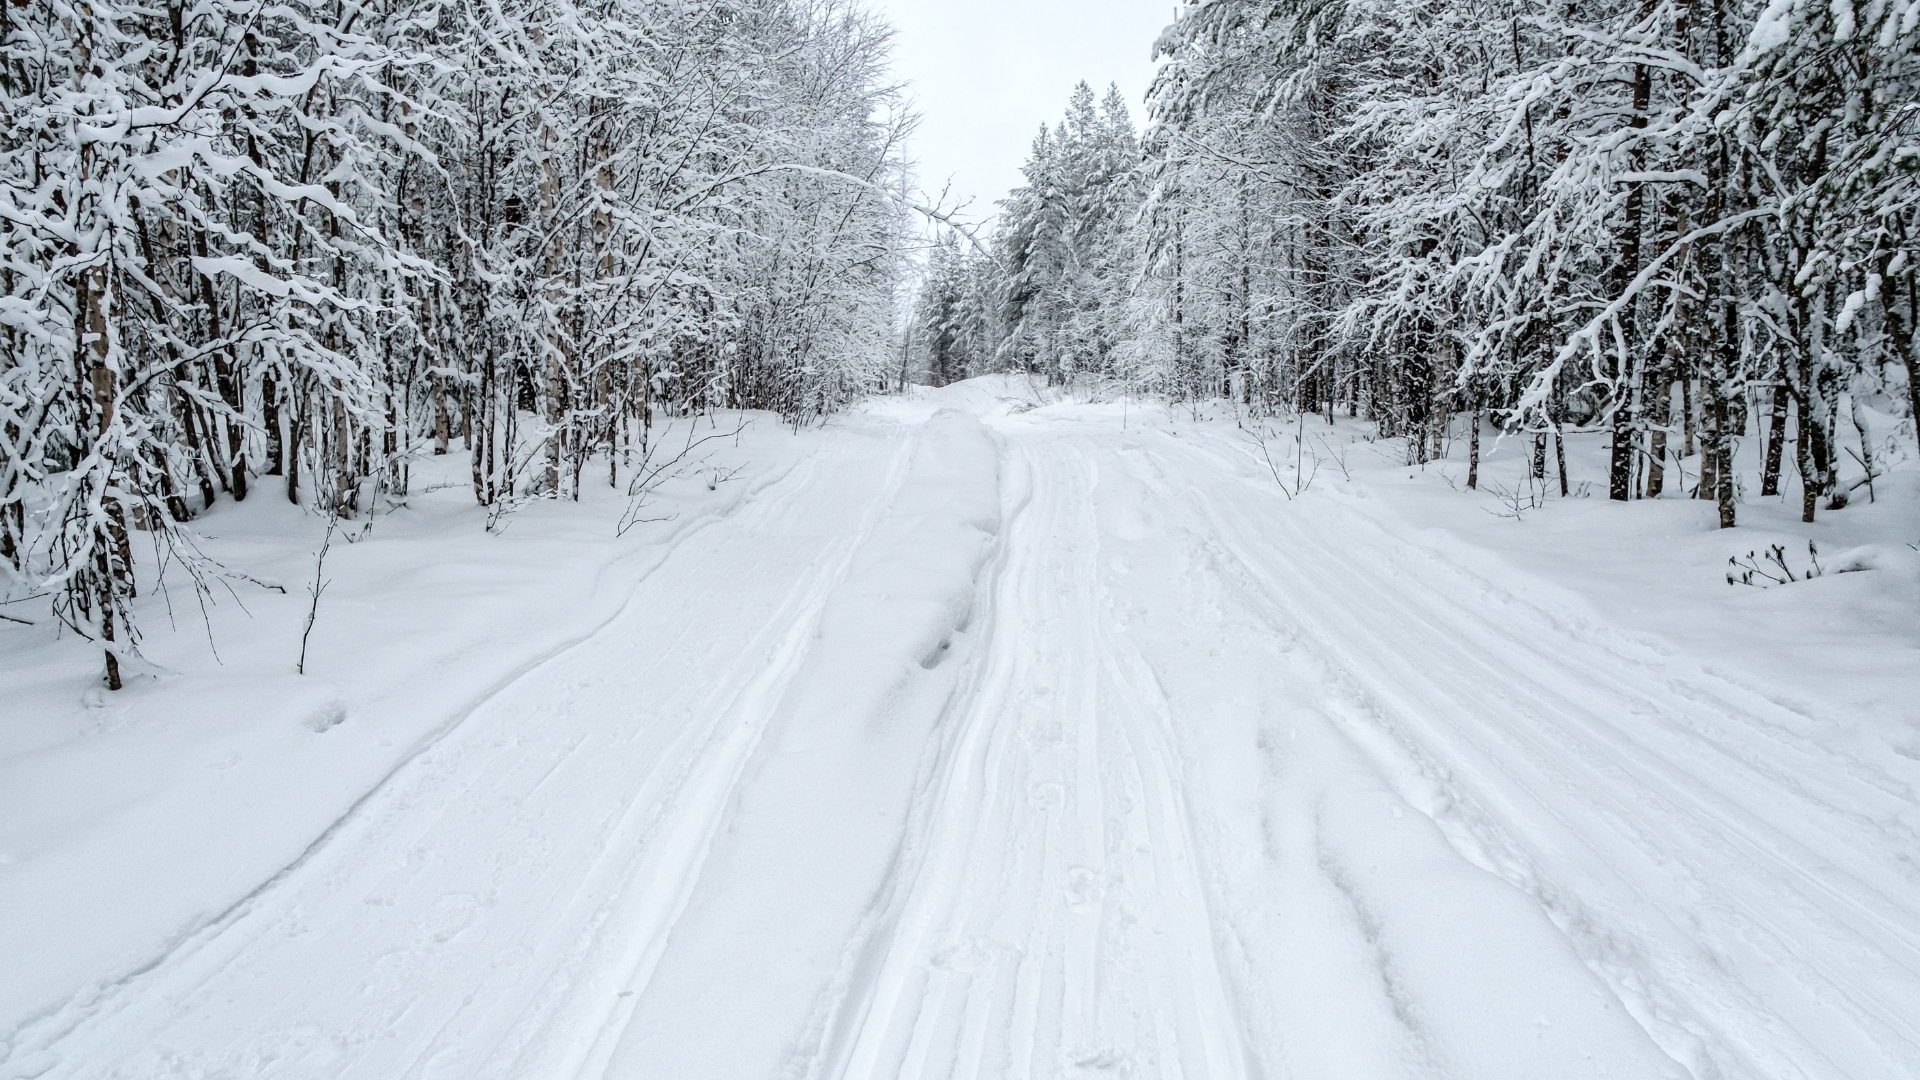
[970, 957]
[1048, 795]
[1084, 888]
[1105, 1059]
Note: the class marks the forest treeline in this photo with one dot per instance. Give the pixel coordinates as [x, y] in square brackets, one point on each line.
[314, 239]
[1676, 221]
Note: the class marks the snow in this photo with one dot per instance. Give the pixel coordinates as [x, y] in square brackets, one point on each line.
[990, 732]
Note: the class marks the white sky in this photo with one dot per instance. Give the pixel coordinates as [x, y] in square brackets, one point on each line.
[985, 74]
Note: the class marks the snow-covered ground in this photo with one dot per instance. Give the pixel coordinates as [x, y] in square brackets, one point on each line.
[984, 734]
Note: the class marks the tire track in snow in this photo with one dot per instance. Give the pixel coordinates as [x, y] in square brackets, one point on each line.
[677, 851]
[127, 1018]
[1507, 739]
[35, 1034]
[1054, 920]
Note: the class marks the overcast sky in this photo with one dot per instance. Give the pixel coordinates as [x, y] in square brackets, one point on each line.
[985, 74]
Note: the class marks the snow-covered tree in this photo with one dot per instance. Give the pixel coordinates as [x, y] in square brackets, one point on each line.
[307, 238]
[1671, 221]
[1060, 239]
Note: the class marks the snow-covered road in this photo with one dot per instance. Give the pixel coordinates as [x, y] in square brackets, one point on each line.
[1048, 747]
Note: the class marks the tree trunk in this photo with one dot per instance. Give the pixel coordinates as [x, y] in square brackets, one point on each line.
[1473, 449]
[1661, 414]
[1803, 457]
[442, 422]
[556, 296]
[1560, 456]
[1721, 448]
[295, 434]
[112, 552]
[1899, 329]
[1776, 441]
[1626, 419]
[1689, 413]
[190, 429]
[270, 416]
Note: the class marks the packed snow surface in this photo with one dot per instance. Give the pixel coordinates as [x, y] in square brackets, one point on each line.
[980, 736]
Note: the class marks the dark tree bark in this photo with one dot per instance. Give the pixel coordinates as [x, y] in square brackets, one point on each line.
[1776, 441]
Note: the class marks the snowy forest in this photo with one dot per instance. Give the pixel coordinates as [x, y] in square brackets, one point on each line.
[314, 240]
[610, 539]
[1681, 222]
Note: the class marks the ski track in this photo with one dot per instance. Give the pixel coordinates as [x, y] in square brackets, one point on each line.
[390, 902]
[1606, 784]
[50, 1026]
[1454, 815]
[1056, 922]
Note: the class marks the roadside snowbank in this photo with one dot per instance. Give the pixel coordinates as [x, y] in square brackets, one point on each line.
[1647, 577]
